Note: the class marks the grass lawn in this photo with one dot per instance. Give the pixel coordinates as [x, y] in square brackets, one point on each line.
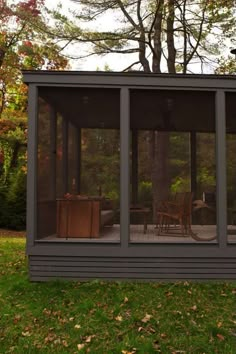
[102, 317]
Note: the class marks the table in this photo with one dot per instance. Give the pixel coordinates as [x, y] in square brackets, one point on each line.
[144, 212]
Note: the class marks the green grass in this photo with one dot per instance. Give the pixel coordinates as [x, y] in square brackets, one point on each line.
[111, 317]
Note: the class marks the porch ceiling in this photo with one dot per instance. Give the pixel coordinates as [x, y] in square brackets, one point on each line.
[163, 110]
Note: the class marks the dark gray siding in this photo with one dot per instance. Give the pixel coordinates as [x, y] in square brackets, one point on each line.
[44, 268]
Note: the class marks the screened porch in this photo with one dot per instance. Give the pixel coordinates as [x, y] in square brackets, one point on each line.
[172, 152]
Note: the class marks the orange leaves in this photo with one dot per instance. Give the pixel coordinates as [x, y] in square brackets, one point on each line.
[6, 125]
[30, 6]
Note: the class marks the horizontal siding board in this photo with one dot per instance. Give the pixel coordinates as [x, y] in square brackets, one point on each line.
[204, 265]
[134, 251]
[134, 276]
[82, 268]
[132, 259]
[108, 270]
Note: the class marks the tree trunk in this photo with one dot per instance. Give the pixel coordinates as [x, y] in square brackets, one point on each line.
[161, 140]
[2, 56]
[157, 47]
[170, 37]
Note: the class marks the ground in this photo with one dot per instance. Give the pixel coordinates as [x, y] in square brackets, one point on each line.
[12, 233]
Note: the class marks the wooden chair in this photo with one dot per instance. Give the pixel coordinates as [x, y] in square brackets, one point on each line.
[177, 214]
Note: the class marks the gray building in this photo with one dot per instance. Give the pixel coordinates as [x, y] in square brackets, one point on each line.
[131, 176]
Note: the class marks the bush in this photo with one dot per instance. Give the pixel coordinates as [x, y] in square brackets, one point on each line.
[145, 192]
[13, 201]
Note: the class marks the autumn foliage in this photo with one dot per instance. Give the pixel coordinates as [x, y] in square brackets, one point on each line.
[24, 45]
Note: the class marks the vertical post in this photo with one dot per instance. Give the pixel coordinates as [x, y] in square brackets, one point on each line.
[32, 166]
[221, 203]
[79, 171]
[193, 164]
[65, 154]
[134, 166]
[53, 148]
[124, 166]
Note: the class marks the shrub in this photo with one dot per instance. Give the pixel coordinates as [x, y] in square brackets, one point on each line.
[145, 191]
[13, 201]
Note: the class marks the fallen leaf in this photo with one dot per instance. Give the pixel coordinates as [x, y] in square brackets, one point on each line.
[146, 318]
[17, 318]
[163, 335]
[126, 299]
[119, 318]
[26, 334]
[47, 312]
[219, 324]
[177, 312]
[140, 329]
[89, 338]
[194, 308]
[57, 341]
[169, 293]
[152, 330]
[77, 326]
[50, 338]
[80, 346]
[220, 336]
[65, 344]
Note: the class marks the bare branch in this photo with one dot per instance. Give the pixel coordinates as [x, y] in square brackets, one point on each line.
[127, 15]
[130, 66]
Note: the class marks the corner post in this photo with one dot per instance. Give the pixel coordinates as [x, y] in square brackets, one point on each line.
[221, 202]
[124, 166]
[32, 166]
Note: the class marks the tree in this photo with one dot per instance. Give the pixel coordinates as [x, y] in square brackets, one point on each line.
[23, 45]
[166, 35]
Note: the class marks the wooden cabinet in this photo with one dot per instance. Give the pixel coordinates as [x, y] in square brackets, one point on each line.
[78, 218]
